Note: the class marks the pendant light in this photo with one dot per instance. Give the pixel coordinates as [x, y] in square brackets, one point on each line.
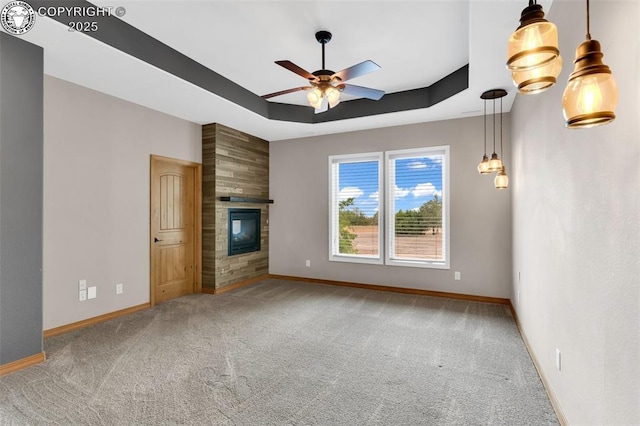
[483, 167]
[534, 43]
[537, 80]
[501, 180]
[591, 95]
[495, 164]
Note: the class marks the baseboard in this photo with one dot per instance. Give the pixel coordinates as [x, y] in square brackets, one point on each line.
[235, 285]
[95, 320]
[460, 296]
[552, 396]
[21, 364]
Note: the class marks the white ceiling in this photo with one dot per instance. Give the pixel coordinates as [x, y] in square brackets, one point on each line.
[415, 42]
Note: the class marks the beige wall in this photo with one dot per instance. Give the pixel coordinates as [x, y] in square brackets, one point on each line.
[576, 220]
[479, 213]
[96, 196]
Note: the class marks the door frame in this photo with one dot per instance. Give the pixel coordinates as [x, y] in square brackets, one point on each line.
[197, 229]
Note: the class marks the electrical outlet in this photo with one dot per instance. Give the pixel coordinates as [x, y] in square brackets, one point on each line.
[456, 275]
[308, 263]
[118, 288]
[82, 295]
[82, 285]
[92, 292]
[558, 360]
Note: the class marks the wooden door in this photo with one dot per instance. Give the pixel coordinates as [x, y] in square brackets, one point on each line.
[174, 230]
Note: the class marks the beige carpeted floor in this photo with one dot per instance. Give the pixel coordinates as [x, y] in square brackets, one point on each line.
[287, 353]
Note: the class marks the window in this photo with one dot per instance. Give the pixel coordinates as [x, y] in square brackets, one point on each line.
[417, 207]
[355, 228]
[415, 215]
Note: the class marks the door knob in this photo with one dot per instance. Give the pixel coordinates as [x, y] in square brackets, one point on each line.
[155, 240]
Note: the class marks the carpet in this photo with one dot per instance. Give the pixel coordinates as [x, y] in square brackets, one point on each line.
[287, 353]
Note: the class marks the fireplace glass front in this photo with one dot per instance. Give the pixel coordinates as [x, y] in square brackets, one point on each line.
[244, 231]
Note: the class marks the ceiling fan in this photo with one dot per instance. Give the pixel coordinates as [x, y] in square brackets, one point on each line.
[326, 85]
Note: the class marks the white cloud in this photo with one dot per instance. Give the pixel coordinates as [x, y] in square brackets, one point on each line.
[400, 192]
[425, 190]
[375, 196]
[417, 165]
[350, 192]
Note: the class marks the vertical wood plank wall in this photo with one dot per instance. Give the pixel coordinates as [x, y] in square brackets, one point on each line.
[233, 164]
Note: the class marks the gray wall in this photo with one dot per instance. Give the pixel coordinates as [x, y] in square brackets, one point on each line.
[480, 214]
[576, 220]
[96, 196]
[21, 140]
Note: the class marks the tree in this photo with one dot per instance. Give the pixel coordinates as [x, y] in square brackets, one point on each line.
[417, 222]
[431, 211]
[345, 216]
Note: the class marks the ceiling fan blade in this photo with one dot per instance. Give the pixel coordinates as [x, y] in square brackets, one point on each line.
[284, 92]
[357, 70]
[324, 106]
[296, 69]
[362, 92]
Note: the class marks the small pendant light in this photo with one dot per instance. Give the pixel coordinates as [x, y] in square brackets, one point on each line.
[483, 166]
[591, 95]
[495, 164]
[534, 43]
[501, 180]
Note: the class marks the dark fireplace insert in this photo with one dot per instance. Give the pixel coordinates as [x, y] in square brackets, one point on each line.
[244, 231]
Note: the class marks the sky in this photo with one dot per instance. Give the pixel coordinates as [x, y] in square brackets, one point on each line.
[417, 180]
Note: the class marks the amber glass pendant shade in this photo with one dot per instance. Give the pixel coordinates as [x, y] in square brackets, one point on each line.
[534, 43]
[483, 166]
[501, 181]
[591, 95]
[537, 80]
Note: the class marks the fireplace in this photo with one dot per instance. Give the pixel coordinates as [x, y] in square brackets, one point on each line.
[244, 231]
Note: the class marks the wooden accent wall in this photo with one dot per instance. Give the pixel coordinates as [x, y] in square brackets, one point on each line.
[234, 164]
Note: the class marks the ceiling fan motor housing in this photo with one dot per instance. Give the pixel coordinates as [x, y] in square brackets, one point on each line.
[323, 37]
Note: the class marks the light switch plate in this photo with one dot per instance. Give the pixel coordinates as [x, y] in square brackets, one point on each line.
[91, 293]
[82, 285]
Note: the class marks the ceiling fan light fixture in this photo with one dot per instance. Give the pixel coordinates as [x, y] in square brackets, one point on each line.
[534, 43]
[326, 85]
[333, 96]
[314, 96]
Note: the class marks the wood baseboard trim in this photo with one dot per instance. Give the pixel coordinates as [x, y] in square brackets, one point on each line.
[552, 396]
[419, 292]
[95, 320]
[235, 285]
[21, 364]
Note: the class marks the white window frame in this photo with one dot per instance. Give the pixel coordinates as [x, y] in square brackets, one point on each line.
[390, 206]
[334, 190]
[386, 207]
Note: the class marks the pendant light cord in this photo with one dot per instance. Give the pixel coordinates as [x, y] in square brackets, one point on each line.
[485, 127]
[588, 34]
[494, 125]
[501, 155]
